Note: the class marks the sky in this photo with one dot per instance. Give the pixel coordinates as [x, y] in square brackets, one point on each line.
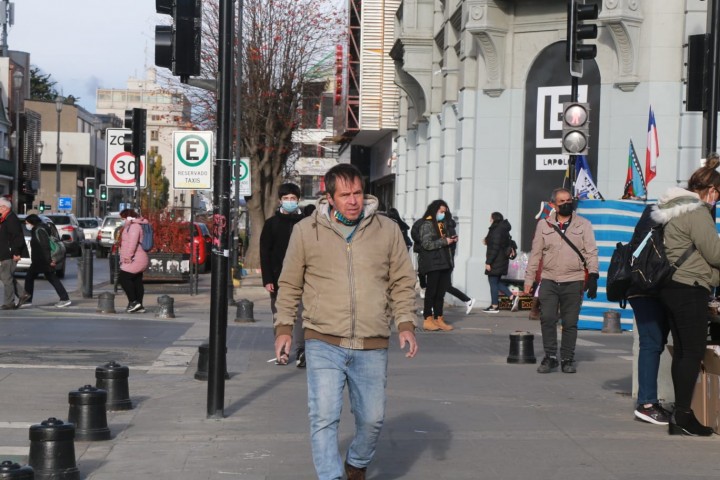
[87, 44]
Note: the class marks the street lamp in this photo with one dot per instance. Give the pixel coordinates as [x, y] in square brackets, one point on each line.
[17, 86]
[58, 106]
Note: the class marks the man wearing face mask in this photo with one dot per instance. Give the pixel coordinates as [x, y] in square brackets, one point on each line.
[274, 241]
[565, 244]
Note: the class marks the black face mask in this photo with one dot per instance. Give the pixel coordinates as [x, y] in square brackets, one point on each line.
[566, 209]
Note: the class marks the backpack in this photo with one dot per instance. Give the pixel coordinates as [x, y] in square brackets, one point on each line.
[415, 235]
[649, 266]
[57, 249]
[148, 238]
[619, 275]
[511, 250]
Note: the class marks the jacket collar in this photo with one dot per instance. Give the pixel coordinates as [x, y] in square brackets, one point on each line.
[370, 206]
[675, 202]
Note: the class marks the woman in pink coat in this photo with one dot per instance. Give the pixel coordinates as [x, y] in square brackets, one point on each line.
[133, 260]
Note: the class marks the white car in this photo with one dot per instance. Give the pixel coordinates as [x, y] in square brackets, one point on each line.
[24, 263]
[90, 226]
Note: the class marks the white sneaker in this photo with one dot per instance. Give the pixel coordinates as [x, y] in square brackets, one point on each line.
[469, 304]
[63, 303]
[515, 303]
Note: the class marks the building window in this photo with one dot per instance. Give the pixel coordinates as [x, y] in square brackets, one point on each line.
[154, 150]
[154, 135]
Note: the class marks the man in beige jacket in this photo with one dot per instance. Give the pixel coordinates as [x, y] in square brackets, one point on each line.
[353, 272]
[565, 243]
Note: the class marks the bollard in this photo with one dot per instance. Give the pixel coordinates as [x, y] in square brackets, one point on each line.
[521, 348]
[52, 450]
[87, 412]
[87, 270]
[203, 361]
[106, 303]
[13, 471]
[113, 378]
[611, 322]
[244, 311]
[166, 307]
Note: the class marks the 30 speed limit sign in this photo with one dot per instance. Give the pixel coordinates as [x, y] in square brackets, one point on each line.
[119, 164]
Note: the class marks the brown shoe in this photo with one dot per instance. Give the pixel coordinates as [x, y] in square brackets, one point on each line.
[430, 325]
[440, 322]
[354, 473]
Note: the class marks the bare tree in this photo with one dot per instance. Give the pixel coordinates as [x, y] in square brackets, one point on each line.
[285, 43]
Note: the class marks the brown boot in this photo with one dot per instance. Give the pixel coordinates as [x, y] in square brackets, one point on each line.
[440, 321]
[354, 473]
[535, 309]
[429, 325]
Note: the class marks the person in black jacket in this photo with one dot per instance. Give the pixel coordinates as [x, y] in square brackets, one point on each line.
[274, 241]
[496, 259]
[41, 263]
[12, 247]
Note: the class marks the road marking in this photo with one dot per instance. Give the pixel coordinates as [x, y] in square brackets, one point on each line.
[15, 425]
[22, 451]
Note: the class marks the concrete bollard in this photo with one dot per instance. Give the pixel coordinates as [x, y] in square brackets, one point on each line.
[244, 312]
[13, 471]
[52, 450]
[166, 309]
[521, 348]
[106, 303]
[203, 363]
[611, 322]
[87, 412]
[113, 378]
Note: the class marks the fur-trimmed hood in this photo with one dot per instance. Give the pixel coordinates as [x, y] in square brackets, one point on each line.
[675, 202]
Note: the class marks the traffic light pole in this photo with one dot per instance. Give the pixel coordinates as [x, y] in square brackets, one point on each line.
[572, 159]
[710, 121]
[221, 218]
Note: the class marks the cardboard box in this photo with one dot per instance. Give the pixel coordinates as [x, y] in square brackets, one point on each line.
[524, 304]
[711, 362]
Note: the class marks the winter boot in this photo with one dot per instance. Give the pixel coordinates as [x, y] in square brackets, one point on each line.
[429, 325]
[440, 322]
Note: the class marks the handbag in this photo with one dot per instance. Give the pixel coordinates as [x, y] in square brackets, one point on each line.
[575, 249]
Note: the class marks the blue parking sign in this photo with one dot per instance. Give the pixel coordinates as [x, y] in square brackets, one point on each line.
[65, 203]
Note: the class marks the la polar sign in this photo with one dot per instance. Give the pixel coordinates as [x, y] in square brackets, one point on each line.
[192, 160]
[120, 165]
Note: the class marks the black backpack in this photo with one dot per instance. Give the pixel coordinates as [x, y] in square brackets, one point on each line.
[651, 269]
[415, 235]
[619, 275]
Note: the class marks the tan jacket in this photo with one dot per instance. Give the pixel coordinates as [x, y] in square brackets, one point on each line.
[350, 290]
[560, 262]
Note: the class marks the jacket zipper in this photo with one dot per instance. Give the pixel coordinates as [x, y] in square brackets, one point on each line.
[351, 277]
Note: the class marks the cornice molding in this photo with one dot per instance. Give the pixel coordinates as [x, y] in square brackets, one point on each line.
[623, 20]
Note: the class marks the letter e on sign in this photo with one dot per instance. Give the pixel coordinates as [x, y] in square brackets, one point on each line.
[192, 160]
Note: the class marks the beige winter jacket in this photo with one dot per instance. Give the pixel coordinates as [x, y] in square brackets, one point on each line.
[350, 289]
[560, 263]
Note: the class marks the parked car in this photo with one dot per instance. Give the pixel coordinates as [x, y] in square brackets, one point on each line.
[24, 263]
[202, 245]
[90, 226]
[67, 224]
[105, 236]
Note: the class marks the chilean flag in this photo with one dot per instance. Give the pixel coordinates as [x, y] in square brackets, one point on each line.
[653, 149]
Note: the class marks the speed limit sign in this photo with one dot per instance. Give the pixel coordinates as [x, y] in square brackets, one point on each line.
[120, 165]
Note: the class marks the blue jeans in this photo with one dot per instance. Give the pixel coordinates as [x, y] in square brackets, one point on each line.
[653, 329]
[497, 286]
[329, 369]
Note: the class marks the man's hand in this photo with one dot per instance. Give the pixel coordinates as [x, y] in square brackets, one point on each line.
[16, 258]
[270, 287]
[527, 289]
[592, 285]
[282, 346]
[405, 337]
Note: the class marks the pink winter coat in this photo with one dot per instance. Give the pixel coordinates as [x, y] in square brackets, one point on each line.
[133, 259]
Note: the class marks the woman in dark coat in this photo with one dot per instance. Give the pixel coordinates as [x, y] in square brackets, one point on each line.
[41, 263]
[496, 259]
[435, 261]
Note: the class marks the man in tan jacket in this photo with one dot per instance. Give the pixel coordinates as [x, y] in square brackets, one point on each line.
[353, 272]
[565, 243]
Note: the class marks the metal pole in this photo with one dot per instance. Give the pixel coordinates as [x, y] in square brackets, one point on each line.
[221, 215]
[572, 159]
[58, 159]
[713, 61]
[16, 182]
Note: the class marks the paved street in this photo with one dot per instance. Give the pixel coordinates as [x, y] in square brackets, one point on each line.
[456, 411]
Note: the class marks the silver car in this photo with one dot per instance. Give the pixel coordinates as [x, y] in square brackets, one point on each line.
[105, 236]
[91, 227]
[67, 224]
[24, 263]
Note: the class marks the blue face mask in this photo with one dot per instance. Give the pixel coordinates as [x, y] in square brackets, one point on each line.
[440, 217]
[289, 206]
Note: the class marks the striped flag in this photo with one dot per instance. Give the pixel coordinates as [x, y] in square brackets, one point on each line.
[584, 184]
[634, 182]
[653, 149]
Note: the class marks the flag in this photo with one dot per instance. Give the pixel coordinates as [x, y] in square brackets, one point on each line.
[584, 184]
[653, 149]
[545, 211]
[634, 182]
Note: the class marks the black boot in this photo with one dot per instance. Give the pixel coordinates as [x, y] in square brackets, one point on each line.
[683, 422]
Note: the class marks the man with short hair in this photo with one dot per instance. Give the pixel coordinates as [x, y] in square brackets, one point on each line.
[353, 271]
[12, 245]
[566, 246]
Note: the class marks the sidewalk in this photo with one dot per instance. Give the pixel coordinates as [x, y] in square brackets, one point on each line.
[456, 411]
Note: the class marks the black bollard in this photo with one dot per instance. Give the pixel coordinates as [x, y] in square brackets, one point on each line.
[13, 471]
[203, 360]
[166, 304]
[87, 270]
[611, 322]
[52, 450]
[87, 412]
[521, 348]
[106, 303]
[113, 378]
[244, 312]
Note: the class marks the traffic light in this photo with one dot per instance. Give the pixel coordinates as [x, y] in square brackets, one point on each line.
[576, 128]
[577, 31]
[103, 192]
[134, 142]
[89, 187]
[177, 46]
[42, 206]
